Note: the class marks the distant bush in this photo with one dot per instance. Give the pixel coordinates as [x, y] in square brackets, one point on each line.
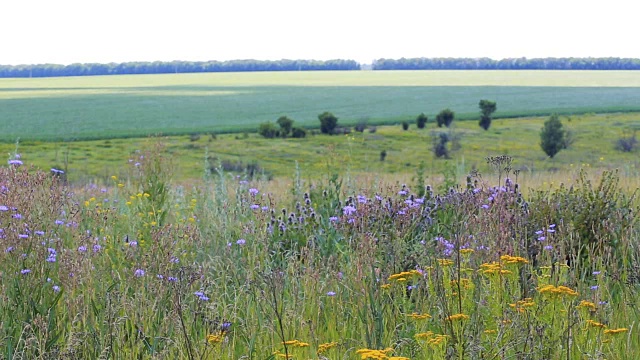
[285, 126]
[440, 145]
[328, 122]
[421, 121]
[341, 131]
[487, 108]
[552, 136]
[627, 144]
[405, 125]
[298, 132]
[373, 129]
[194, 137]
[360, 127]
[445, 117]
[268, 130]
[383, 155]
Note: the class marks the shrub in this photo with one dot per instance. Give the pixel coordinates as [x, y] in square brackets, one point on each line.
[194, 137]
[440, 148]
[405, 125]
[445, 117]
[285, 125]
[487, 108]
[328, 122]
[627, 144]
[372, 129]
[297, 132]
[383, 155]
[421, 121]
[268, 130]
[552, 136]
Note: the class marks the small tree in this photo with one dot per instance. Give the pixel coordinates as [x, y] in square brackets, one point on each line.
[421, 121]
[297, 132]
[285, 125]
[328, 122]
[405, 125]
[487, 108]
[552, 136]
[445, 117]
[268, 130]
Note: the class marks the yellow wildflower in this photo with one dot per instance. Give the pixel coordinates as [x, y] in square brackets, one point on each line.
[417, 316]
[326, 346]
[615, 331]
[596, 324]
[508, 259]
[374, 354]
[490, 331]
[445, 262]
[587, 304]
[456, 317]
[466, 251]
[385, 286]
[557, 291]
[215, 338]
[424, 336]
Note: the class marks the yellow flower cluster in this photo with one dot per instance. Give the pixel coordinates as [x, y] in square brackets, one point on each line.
[417, 316]
[557, 291]
[295, 343]
[464, 283]
[615, 331]
[326, 346]
[430, 337]
[587, 305]
[215, 338]
[466, 251]
[457, 317]
[445, 262]
[522, 305]
[375, 354]
[403, 276]
[493, 268]
[508, 259]
[596, 324]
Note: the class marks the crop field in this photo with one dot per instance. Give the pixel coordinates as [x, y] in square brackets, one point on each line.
[83, 108]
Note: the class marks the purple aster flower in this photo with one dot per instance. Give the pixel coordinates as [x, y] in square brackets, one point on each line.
[204, 298]
[596, 273]
[349, 210]
[59, 222]
[485, 206]
[253, 191]
[198, 293]
[241, 242]
[82, 249]
[333, 219]
[160, 277]
[4, 208]
[331, 293]
[378, 197]
[254, 207]
[25, 271]
[23, 236]
[411, 287]
[133, 243]
[9, 249]
[362, 199]
[542, 238]
[17, 216]
[265, 208]
[15, 162]
[174, 260]
[551, 230]
[56, 288]
[402, 192]
[594, 287]
[552, 226]
[138, 273]
[96, 248]
[539, 232]
[39, 232]
[548, 247]
[229, 244]
[57, 171]
[172, 279]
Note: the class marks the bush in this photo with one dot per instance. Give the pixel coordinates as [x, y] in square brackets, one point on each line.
[194, 137]
[405, 125]
[552, 136]
[268, 130]
[298, 132]
[372, 129]
[285, 125]
[328, 122]
[627, 144]
[445, 117]
[421, 121]
[383, 155]
[440, 148]
[487, 108]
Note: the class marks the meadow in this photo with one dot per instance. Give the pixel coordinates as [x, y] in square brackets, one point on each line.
[103, 107]
[144, 268]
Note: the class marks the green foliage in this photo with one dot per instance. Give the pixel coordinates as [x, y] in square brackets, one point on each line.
[268, 130]
[552, 136]
[487, 108]
[405, 125]
[421, 121]
[298, 132]
[285, 125]
[445, 117]
[440, 144]
[328, 122]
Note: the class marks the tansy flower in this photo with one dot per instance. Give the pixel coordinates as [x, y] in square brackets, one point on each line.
[615, 331]
[456, 317]
[445, 262]
[417, 316]
[557, 291]
[596, 324]
[508, 259]
[326, 346]
[374, 354]
[587, 304]
[215, 338]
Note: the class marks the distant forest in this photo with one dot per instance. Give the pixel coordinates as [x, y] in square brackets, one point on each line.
[507, 64]
[168, 67]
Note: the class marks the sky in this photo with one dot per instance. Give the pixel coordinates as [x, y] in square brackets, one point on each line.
[72, 31]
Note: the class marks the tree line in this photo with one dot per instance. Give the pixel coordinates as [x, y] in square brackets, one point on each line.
[609, 63]
[168, 67]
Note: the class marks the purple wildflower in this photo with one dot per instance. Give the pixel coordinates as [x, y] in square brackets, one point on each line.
[25, 271]
[138, 273]
[56, 288]
[485, 206]
[331, 293]
[349, 210]
[17, 216]
[548, 247]
[254, 207]
[4, 208]
[82, 249]
[333, 219]
[96, 248]
[241, 242]
[542, 238]
[596, 273]
[39, 232]
[59, 222]
[594, 287]
[23, 236]
[9, 249]
[174, 260]
[15, 162]
[253, 191]
[172, 279]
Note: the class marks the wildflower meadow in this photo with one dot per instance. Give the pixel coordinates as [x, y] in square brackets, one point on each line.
[141, 267]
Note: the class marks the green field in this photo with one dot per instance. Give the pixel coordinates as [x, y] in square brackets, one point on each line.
[77, 108]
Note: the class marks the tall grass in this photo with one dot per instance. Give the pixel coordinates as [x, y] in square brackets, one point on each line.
[333, 269]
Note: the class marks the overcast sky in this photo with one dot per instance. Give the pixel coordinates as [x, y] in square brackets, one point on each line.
[68, 31]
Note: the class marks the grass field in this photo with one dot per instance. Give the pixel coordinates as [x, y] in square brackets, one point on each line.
[78, 108]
